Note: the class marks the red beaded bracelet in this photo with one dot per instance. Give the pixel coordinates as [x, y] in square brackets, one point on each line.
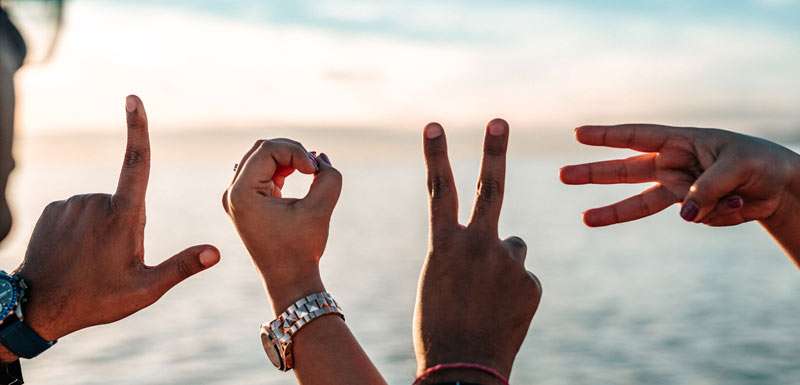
[460, 365]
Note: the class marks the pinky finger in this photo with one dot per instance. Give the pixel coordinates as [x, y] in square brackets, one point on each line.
[727, 212]
[649, 202]
[721, 220]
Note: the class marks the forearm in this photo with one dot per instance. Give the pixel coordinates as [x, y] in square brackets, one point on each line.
[784, 226]
[325, 351]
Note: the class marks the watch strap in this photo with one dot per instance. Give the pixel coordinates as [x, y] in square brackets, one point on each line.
[21, 340]
[11, 373]
[280, 331]
[303, 311]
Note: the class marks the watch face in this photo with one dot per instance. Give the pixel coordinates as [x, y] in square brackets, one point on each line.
[272, 349]
[8, 297]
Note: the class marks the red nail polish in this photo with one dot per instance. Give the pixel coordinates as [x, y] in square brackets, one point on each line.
[325, 159]
[689, 211]
[734, 202]
[313, 157]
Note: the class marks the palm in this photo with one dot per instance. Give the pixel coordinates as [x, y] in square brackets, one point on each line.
[676, 168]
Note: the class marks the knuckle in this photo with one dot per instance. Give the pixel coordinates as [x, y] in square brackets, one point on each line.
[479, 239]
[647, 206]
[438, 186]
[134, 156]
[629, 137]
[517, 242]
[237, 195]
[296, 148]
[701, 191]
[536, 287]
[183, 268]
[612, 215]
[489, 190]
[287, 141]
[77, 200]
[754, 162]
[435, 148]
[495, 149]
[281, 143]
[99, 201]
[225, 201]
[335, 174]
[299, 152]
[54, 206]
[97, 198]
[135, 123]
[622, 171]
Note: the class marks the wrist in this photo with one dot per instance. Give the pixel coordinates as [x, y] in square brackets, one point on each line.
[6, 356]
[793, 189]
[284, 289]
[38, 319]
[786, 214]
[39, 314]
[784, 223]
[471, 376]
[498, 362]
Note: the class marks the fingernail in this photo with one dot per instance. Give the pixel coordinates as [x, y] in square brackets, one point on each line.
[497, 128]
[208, 258]
[130, 103]
[689, 211]
[313, 157]
[734, 202]
[325, 159]
[433, 131]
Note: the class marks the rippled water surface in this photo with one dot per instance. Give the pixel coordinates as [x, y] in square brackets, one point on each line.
[656, 302]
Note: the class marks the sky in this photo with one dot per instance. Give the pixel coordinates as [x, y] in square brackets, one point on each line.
[395, 64]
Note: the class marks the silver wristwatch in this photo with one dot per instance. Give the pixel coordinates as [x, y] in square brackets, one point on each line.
[276, 336]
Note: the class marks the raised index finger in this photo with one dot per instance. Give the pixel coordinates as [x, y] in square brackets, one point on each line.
[493, 176]
[441, 187]
[265, 163]
[639, 137]
[132, 186]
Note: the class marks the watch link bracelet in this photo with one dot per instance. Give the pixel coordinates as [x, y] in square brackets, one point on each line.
[276, 336]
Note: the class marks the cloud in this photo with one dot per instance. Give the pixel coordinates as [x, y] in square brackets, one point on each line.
[539, 66]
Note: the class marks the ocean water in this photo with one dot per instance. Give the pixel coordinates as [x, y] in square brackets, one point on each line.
[653, 302]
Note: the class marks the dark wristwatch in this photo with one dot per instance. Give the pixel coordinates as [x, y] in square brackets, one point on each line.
[11, 373]
[15, 334]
